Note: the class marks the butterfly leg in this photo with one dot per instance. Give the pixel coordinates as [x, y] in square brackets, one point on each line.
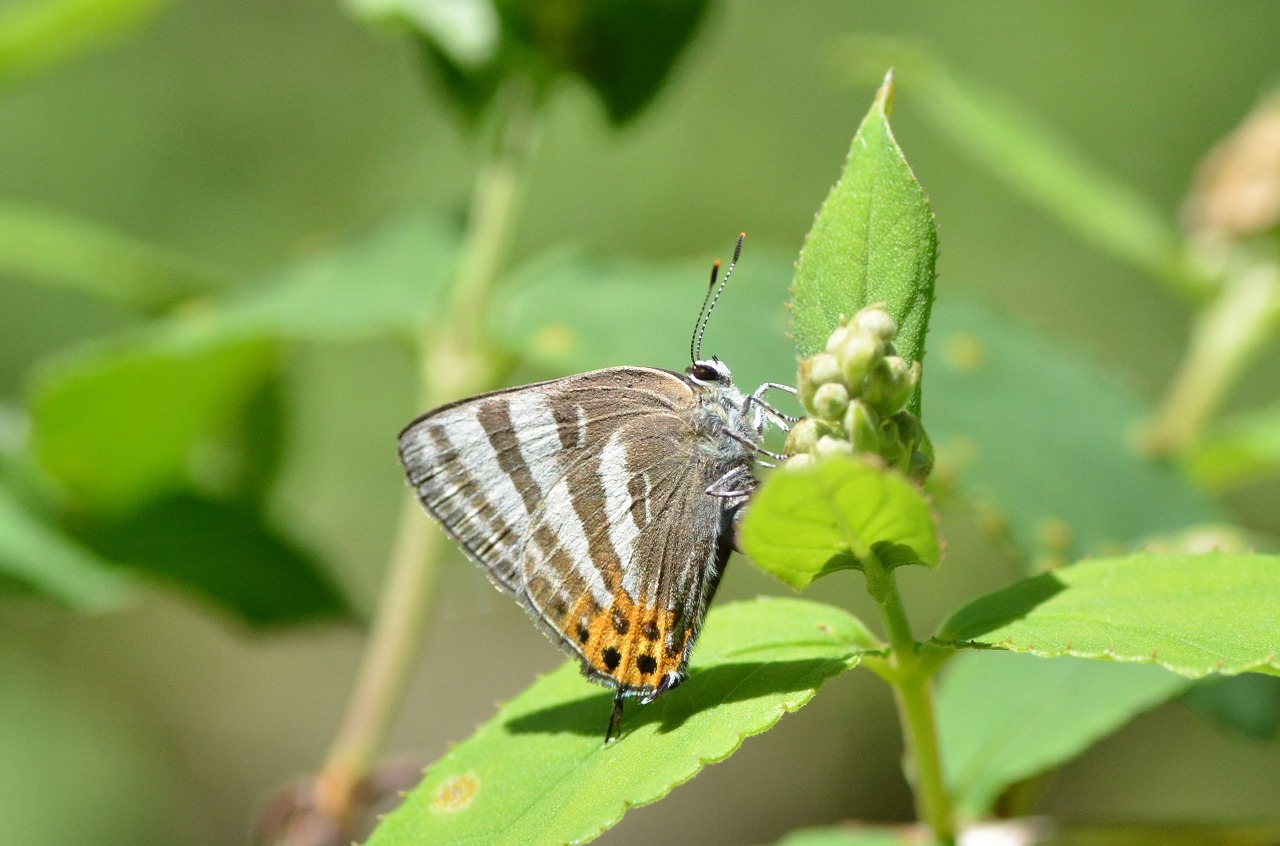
[723, 487]
[754, 447]
[614, 731]
[774, 386]
[762, 411]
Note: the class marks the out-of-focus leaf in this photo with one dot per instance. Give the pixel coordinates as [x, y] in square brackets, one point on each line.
[53, 249]
[1193, 614]
[1238, 450]
[624, 51]
[258, 442]
[116, 423]
[1247, 704]
[1004, 717]
[38, 33]
[537, 773]
[465, 31]
[37, 556]
[1047, 438]
[873, 240]
[841, 836]
[224, 554]
[568, 313]
[809, 522]
[384, 283]
[461, 39]
[1034, 161]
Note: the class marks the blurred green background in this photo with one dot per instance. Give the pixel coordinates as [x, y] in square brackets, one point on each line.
[248, 135]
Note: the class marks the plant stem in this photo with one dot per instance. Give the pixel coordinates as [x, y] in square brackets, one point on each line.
[1225, 339]
[913, 691]
[453, 364]
[917, 711]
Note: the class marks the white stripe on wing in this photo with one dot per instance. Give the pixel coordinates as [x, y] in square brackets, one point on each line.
[615, 478]
[537, 432]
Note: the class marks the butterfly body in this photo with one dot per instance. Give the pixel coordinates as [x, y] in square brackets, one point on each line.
[603, 502]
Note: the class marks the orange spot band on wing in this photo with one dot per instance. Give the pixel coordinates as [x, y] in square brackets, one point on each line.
[627, 642]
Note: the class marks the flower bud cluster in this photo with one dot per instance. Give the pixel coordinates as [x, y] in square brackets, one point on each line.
[855, 393]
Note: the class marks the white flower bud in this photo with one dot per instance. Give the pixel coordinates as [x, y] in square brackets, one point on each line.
[803, 437]
[799, 462]
[829, 445]
[838, 338]
[830, 401]
[875, 321]
[862, 424]
[824, 368]
[857, 356]
[896, 382]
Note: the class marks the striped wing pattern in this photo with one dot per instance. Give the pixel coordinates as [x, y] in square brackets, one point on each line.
[585, 498]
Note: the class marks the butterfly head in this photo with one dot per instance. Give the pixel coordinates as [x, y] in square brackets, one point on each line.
[710, 371]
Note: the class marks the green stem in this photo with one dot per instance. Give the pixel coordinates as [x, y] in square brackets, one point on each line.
[912, 680]
[453, 364]
[917, 711]
[1226, 338]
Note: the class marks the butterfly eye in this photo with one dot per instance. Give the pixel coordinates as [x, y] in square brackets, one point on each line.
[704, 372]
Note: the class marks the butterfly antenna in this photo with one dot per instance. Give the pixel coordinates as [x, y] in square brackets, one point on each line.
[695, 340]
[709, 301]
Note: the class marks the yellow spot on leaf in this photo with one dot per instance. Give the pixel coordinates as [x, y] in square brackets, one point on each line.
[455, 793]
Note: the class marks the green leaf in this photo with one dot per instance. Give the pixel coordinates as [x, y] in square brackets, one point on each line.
[465, 31]
[538, 772]
[1032, 428]
[809, 522]
[461, 40]
[1005, 717]
[38, 33]
[567, 312]
[874, 240]
[624, 51]
[1193, 614]
[37, 555]
[384, 283]
[1035, 162]
[223, 553]
[1240, 449]
[1248, 704]
[52, 249]
[116, 422]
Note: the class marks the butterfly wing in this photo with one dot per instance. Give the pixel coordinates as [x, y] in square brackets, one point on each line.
[658, 542]
[585, 498]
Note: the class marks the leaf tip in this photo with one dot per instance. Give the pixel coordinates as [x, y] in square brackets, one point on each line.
[885, 94]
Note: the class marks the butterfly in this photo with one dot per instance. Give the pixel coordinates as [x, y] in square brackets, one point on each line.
[605, 502]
